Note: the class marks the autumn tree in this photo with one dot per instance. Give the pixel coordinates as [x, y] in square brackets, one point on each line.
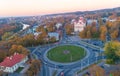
[6, 35]
[41, 38]
[95, 70]
[88, 35]
[52, 39]
[40, 28]
[95, 32]
[112, 51]
[3, 54]
[103, 31]
[50, 27]
[82, 34]
[34, 68]
[114, 34]
[19, 49]
[69, 28]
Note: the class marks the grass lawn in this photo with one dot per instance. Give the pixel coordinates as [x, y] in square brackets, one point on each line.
[66, 53]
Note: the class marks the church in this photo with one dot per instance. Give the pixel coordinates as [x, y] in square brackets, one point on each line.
[79, 24]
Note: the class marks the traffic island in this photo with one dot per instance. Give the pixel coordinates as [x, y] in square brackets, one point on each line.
[66, 53]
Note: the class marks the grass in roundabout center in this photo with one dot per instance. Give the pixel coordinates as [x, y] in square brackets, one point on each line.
[66, 53]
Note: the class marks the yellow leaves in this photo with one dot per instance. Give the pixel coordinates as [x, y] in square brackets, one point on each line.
[69, 28]
[88, 34]
[114, 34]
[112, 51]
[94, 29]
[18, 49]
[82, 34]
[117, 53]
[103, 29]
[95, 70]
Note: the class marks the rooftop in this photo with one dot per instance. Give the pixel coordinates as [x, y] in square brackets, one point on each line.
[12, 60]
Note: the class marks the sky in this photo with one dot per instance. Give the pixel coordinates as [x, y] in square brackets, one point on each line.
[41, 7]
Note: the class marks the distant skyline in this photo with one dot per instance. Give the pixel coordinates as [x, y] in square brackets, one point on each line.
[9, 8]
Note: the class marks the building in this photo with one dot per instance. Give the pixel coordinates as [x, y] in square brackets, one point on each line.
[12, 63]
[79, 25]
[58, 25]
[36, 34]
[54, 34]
[90, 21]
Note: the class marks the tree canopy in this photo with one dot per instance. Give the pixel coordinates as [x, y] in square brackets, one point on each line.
[112, 51]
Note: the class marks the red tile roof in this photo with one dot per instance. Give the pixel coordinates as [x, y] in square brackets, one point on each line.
[12, 60]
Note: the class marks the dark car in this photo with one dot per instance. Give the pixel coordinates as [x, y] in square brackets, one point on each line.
[60, 66]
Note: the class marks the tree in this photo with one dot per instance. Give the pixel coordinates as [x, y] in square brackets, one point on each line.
[103, 31]
[88, 34]
[82, 34]
[69, 28]
[3, 54]
[41, 38]
[95, 70]
[6, 35]
[52, 39]
[34, 68]
[103, 36]
[50, 27]
[40, 28]
[114, 34]
[19, 49]
[112, 51]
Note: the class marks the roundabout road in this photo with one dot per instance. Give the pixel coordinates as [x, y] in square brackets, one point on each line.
[64, 65]
[67, 67]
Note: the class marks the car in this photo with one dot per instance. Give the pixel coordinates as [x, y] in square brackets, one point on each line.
[45, 63]
[107, 65]
[62, 73]
[87, 73]
[102, 66]
[60, 66]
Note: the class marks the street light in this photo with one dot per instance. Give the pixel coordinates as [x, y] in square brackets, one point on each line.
[71, 58]
[76, 74]
[88, 61]
[55, 67]
[81, 65]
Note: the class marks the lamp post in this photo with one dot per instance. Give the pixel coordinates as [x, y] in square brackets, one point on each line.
[76, 74]
[81, 65]
[55, 67]
[71, 58]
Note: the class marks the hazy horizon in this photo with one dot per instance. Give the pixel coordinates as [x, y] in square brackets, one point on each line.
[9, 8]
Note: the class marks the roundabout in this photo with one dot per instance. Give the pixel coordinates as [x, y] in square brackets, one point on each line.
[75, 58]
[66, 53]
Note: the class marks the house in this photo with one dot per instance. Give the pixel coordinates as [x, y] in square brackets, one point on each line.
[112, 20]
[36, 34]
[54, 34]
[79, 25]
[12, 63]
[58, 25]
[90, 21]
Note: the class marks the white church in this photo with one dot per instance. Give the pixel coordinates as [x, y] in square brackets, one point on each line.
[79, 24]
